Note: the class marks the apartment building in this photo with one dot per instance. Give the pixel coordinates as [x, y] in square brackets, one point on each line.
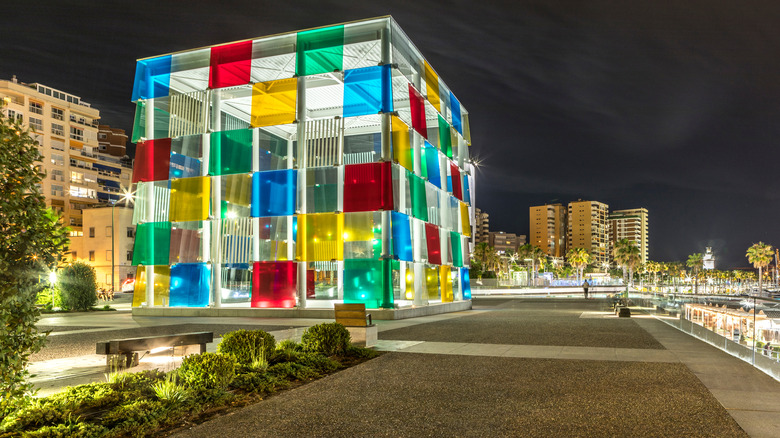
[505, 243]
[588, 228]
[548, 228]
[630, 224]
[82, 168]
[481, 226]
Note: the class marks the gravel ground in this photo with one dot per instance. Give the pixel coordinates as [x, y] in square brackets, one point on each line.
[532, 322]
[80, 344]
[402, 394]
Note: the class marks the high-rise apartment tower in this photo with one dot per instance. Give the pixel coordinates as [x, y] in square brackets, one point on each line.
[548, 229]
[588, 228]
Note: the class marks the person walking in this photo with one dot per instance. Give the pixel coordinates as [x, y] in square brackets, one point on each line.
[585, 286]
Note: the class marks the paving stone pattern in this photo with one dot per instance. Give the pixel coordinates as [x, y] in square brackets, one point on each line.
[533, 322]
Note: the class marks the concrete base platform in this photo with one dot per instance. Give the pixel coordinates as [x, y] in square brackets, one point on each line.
[364, 336]
[244, 312]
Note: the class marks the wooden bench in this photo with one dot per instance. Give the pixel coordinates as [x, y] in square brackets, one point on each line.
[123, 353]
[353, 316]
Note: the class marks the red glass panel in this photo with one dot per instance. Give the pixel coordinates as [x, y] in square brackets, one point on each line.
[368, 187]
[230, 65]
[310, 289]
[417, 104]
[434, 246]
[457, 191]
[152, 158]
[274, 284]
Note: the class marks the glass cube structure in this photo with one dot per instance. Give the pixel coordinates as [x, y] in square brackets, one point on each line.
[301, 169]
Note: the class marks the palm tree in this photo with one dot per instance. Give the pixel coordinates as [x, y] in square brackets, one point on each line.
[534, 254]
[760, 254]
[654, 268]
[627, 255]
[578, 258]
[695, 262]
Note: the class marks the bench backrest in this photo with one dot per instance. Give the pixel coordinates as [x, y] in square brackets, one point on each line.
[350, 314]
[146, 343]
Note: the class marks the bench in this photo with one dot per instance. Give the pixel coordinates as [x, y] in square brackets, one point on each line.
[123, 353]
[353, 316]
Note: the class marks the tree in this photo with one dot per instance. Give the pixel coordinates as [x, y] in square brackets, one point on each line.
[78, 285]
[32, 242]
[654, 268]
[627, 255]
[760, 254]
[695, 262]
[533, 253]
[578, 258]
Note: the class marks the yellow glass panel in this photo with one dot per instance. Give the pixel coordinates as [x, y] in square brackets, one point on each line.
[320, 237]
[445, 279]
[162, 280]
[432, 283]
[358, 226]
[465, 220]
[432, 84]
[237, 189]
[409, 294]
[190, 199]
[273, 102]
[402, 148]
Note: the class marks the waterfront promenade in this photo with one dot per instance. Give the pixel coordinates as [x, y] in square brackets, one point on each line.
[509, 367]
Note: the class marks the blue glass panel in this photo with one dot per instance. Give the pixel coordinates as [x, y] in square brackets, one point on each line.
[190, 285]
[367, 91]
[402, 237]
[432, 164]
[152, 78]
[449, 183]
[457, 122]
[465, 285]
[466, 191]
[183, 166]
[273, 193]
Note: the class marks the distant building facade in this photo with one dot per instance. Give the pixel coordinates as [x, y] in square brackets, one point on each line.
[709, 259]
[548, 228]
[82, 169]
[481, 226]
[588, 228]
[631, 224]
[505, 243]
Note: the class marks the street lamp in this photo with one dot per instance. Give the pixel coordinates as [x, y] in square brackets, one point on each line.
[127, 196]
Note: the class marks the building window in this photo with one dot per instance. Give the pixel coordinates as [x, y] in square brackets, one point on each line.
[76, 133]
[58, 129]
[57, 145]
[36, 124]
[36, 107]
[56, 190]
[108, 231]
[130, 232]
[81, 192]
[13, 115]
[129, 256]
[57, 114]
[91, 231]
[108, 255]
[57, 175]
[92, 256]
[76, 177]
[102, 136]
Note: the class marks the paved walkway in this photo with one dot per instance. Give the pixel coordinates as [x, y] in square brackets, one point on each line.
[573, 370]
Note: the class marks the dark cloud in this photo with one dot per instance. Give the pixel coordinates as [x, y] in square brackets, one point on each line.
[662, 104]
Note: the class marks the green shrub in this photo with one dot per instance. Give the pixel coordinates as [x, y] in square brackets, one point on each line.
[136, 418]
[72, 430]
[208, 370]
[258, 382]
[169, 391]
[247, 346]
[49, 297]
[78, 286]
[37, 414]
[318, 362]
[328, 339]
[361, 352]
[293, 371]
[288, 344]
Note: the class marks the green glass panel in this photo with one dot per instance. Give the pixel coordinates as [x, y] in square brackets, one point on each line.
[445, 139]
[152, 243]
[322, 190]
[139, 123]
[230, 152]
[457, 254]
[369, 282]
[320, 51]
[424, 161]
[419, 203]
[162, 119]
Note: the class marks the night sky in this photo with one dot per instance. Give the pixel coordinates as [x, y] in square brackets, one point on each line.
[668, 105]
